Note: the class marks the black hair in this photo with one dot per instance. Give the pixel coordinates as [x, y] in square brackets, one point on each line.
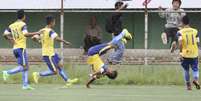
[118, 4]
[177, 1]
[49, 19]
[20, 14]
[185, 20]
[112, 75]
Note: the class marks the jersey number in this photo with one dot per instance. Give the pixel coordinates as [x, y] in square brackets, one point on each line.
[192, 38]
[15, 34]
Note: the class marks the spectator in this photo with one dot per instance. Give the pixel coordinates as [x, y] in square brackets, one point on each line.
[173, 18]
[92, 34]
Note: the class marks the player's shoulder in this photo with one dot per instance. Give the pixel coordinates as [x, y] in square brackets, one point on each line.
[18, 23]
[194, 29]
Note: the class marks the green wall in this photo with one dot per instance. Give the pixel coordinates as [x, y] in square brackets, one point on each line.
[75, 24]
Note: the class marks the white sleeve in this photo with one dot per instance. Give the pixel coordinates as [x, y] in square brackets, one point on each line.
[7, 32]
[53, 34]
[24, 29]
[198, 39]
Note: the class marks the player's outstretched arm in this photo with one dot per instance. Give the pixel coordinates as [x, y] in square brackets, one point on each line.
[62, 40]
[30, 34]
[124, 6]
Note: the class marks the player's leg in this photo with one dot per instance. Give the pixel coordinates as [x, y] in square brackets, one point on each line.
[116, 57]
[17, 69]
[173, 39]
[25, 64]
[96, 49]
[59, 66]
[185, 64]
[195, 70]
[52, 69]
[164, 36]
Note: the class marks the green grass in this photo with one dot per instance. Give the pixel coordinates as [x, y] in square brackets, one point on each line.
[127, 75]
[13, 92]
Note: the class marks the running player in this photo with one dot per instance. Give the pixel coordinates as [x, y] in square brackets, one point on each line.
[188, 43]
[50, 57]
[16, 33]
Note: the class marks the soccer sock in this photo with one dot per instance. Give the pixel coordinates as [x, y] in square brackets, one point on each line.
[196, 75]
[15, 70]
[187, 75]
[63, 74]
[46, 73]
[25, 77]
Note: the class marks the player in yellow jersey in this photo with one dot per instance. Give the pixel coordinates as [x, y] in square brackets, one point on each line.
[50, 57]
[99, 68]
[188, 39]
[16, 33]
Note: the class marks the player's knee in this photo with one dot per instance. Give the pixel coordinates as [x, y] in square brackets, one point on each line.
[195, 69]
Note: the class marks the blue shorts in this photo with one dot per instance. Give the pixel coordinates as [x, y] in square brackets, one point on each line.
[116, 56]
[21, 56]
[52, 62]
[190, 62]
[96, 49]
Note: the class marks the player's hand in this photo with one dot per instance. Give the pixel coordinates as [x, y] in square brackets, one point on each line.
[181, 57]
[67, 43]
[125, 5]
[160, 8]
[88, 86]
[41, 31]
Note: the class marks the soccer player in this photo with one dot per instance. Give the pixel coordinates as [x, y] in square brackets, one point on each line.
[50, 57]
[97, 65]
[16, 33]
[173, 23]
[99, 68]
[188, 39]
[114, 26]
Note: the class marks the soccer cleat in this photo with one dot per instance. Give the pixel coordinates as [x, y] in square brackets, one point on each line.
[197, 85]
[28, 87]
[75, 80]
[35, 77]
[188, 84]
[5, 75]
[67, 85]
[164, 38]
[127, 35]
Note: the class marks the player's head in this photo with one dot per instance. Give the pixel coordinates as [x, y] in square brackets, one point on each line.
[118, 4]
[111, 74]
[176, 4]
[50, 20]
[21, 15]
[185, 20]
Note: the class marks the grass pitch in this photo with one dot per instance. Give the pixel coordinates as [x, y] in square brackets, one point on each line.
[52, 92]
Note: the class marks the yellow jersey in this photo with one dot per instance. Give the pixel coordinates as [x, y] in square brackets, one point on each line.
[17, 30]
[96, 62]
[189, 37]
[47, 40]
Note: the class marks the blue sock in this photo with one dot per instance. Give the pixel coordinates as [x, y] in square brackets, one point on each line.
[25, 77]
[46, 73]
[63, 74]
[15, 70]
[187, 75]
